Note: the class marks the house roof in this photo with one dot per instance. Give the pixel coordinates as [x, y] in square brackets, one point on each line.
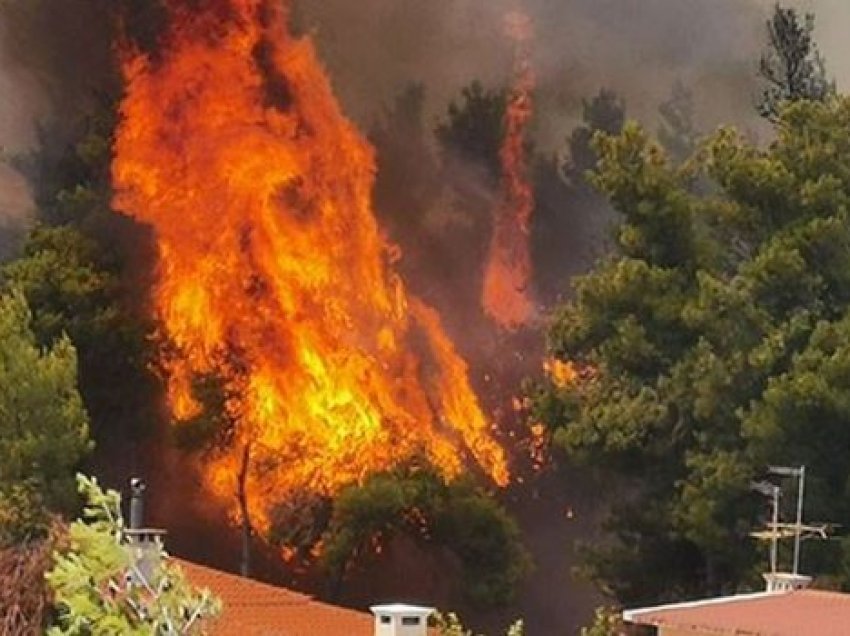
[762, 614]
[251, 608]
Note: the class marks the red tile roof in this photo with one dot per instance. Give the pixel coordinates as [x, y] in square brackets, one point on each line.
[252, 608]
[800, 613]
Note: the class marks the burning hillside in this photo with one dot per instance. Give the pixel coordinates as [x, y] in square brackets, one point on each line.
[273, 276]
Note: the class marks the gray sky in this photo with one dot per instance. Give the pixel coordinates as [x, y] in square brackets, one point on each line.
[833, 32]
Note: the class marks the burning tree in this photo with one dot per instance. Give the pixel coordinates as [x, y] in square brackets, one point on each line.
[272, 275]
[507, 295]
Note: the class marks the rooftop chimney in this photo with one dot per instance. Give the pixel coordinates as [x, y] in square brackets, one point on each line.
[401, 620]
[137, 503]
[143, 543]
[786, 582]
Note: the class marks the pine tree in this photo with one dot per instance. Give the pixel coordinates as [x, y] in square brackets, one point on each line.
[792, 66]
[43, 425]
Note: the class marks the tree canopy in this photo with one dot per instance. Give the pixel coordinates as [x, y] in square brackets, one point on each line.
[712, 343]
[791, 67]
[457, 516]
[43, 425]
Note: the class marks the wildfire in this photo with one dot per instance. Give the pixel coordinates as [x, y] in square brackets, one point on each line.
[562, 374]
[507, 276]
[273, 276]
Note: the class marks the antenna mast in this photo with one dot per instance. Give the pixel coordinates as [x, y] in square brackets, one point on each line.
[777, 530]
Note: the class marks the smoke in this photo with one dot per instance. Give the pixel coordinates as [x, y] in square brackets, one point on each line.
[55, 60]
[54, 57]
[22, 104]
[636, 47]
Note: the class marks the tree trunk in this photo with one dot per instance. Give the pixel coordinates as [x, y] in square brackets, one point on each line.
[247, 531]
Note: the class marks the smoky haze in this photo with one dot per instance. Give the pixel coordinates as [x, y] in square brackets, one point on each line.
[22, 103]
[639, 48]
[53, 61]
[636, 47]
[375, 48]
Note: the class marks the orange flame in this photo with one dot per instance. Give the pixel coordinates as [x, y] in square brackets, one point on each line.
[272, 273]
[562, 374]
[507, 276]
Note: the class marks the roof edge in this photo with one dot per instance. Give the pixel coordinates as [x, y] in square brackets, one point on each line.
[634, 615]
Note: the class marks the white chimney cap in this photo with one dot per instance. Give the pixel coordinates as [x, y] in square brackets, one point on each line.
[398, 619]
[786, 582]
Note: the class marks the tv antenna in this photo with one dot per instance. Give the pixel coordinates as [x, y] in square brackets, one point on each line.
[777, 530]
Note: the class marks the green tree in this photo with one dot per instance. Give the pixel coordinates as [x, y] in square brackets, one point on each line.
[100, 590]
[457, 516]
[43, 425]
[606, 622]
[711, 343]
[792, 68]
[73, 286]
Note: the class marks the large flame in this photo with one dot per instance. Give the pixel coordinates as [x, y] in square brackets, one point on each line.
[507, 276]
[273, 276]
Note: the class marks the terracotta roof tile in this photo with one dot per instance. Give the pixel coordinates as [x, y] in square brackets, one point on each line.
[800, 613]
[252, 608]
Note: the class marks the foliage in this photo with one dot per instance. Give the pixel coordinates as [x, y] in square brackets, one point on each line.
[475, 127]
[62, 274]
[24, 595]
[99, 590]
[43, 425]
[73, 288]
[715, 341]
[450, 625]
[791, 67]
[606, 622]
[457, 516]
[74, 267]
[606, 113]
